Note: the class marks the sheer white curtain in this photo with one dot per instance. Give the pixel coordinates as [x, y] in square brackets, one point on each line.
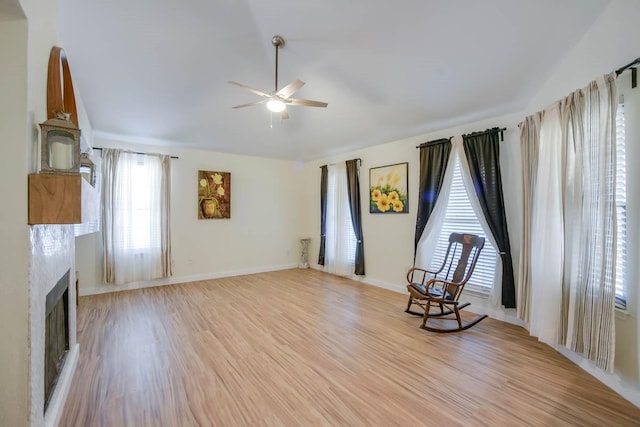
[429, 239]
[591, 318]
[573, 224]
[547, 235]
[529, 146]
[136, 216]
[340, 246]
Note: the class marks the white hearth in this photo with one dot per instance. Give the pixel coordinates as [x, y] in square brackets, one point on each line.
[52, 254]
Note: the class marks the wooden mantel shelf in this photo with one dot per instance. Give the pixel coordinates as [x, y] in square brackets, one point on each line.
[60, 199]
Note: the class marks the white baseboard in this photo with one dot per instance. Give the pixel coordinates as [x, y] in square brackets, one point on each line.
[479, 305]
[615, 381]
[59, 396]
[401, 289]
[103, 289]
[368, 281]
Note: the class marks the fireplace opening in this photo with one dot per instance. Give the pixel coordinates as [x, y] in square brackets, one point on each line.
[56, 335]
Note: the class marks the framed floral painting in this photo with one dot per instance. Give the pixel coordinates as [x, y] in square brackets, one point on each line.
[388, 189]
[214, 195]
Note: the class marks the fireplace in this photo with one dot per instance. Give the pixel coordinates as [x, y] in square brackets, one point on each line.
[56, 335]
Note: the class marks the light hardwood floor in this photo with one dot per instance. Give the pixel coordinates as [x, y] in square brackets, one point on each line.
[304, 348]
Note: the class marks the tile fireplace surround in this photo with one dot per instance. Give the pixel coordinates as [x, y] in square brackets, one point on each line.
[52, 253]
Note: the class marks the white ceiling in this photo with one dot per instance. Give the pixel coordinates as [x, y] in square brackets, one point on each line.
[157, 70]
[10, 10]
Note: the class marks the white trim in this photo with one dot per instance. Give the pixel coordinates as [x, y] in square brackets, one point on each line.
[103, 289]
[59, 396]
[367, 281]
[402, 289]
[480, 305]
[111, 136]
[615, 381]
[622, 313]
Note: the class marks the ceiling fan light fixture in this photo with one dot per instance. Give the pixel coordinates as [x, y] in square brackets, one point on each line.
[278, 100]
[276, 105]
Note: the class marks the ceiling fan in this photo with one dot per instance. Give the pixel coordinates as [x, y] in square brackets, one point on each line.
[278, 100]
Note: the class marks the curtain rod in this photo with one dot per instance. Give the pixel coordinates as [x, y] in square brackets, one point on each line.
[626, 67]
[488, 131]
[434, 142]
[332, 164]
[135, 152]
[634, 71]
[443, 140]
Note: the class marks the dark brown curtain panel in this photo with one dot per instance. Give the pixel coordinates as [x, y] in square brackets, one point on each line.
[482, 150]
[353, 185]
[434, 157]
[323, 212]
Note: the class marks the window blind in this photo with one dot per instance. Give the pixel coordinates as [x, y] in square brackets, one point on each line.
[340, 251]
[460, 218]
[621, 210]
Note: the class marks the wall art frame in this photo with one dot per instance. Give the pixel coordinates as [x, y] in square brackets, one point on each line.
[389, 189]
[214, 195]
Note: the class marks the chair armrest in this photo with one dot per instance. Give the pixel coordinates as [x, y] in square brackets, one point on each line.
[419, 270]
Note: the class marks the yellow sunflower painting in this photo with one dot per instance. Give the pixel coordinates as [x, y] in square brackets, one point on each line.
[388, 189]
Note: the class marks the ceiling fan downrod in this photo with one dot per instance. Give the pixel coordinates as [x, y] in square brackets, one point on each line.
[277, 41]
[278, 100]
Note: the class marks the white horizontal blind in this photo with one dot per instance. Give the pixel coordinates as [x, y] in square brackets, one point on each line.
[621, 210]
[340, 250]
[460, 218]
[139, 205]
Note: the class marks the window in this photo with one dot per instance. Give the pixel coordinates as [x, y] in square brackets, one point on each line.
[93, 225]
[136, 233]
[460, 218]
[340, 251]
[621, 210]
[140, 212]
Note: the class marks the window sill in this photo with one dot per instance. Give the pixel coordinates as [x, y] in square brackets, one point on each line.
[622, 313]
[476, 293]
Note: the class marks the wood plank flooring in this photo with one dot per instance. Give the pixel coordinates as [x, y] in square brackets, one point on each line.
[304, 348]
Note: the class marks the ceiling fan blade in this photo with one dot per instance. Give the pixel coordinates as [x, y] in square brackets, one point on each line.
[305, 102]
[250, 89]
[290, 89]
[250, 104]
[284, 115]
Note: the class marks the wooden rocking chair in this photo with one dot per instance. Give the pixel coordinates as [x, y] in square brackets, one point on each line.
[443, 287]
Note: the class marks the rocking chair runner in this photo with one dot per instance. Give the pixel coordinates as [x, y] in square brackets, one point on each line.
[443, 287]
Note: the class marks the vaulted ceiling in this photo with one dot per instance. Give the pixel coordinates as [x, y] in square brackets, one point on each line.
[157, 70]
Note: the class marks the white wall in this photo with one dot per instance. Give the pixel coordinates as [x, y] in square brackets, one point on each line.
[261, 235]
[14, 250]
[611, 42]
[388, 239]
